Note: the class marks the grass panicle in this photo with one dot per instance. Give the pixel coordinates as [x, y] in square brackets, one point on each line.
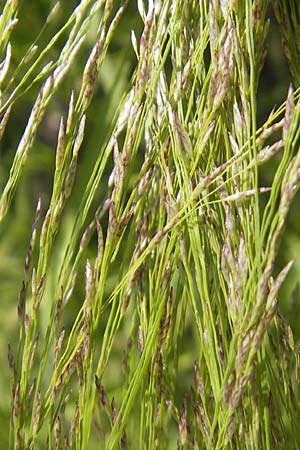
[148, 309]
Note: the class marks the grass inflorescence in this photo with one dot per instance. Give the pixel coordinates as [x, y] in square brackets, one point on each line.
[148, 310]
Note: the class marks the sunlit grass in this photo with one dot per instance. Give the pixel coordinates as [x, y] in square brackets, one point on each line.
[148, 313]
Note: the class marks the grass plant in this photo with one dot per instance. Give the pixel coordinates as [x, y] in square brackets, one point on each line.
[148, 309]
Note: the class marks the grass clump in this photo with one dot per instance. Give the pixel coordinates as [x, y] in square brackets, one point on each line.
[148, 313]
